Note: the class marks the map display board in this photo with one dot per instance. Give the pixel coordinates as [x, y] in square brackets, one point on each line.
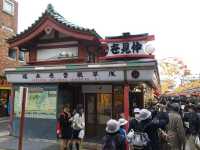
[41, 103]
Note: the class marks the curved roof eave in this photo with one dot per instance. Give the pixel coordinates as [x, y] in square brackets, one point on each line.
[59, 22]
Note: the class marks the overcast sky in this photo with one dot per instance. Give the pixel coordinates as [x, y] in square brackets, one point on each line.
[175, 23]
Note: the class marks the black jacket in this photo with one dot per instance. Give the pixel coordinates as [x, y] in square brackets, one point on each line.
[151, 126]
[119, 141]
[194, 123]
[163, 118]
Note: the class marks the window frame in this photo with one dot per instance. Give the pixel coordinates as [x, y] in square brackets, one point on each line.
[23, 56]
[15, 53]
[9, 2]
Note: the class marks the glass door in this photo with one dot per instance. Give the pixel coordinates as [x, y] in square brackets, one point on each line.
[104, 112]
[91, 114]
[98, 112]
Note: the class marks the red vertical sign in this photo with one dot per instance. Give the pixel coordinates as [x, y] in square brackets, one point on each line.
[126, 101]
[126, 106]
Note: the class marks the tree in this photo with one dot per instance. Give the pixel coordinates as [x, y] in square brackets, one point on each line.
[187, 86]
[167, 85]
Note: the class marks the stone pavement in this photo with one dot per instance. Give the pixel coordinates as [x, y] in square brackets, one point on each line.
[10, 143]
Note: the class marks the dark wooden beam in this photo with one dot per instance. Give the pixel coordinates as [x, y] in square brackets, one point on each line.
[56, 40]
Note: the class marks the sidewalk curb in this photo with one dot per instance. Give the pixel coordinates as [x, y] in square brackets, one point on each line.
[4, 118]
[42, 140]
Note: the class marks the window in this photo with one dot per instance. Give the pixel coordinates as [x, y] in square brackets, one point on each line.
[8, 7]
[12, 53]
[118, 94]
[57, 53]
[21, 56]
[104, 107]
[91, 57]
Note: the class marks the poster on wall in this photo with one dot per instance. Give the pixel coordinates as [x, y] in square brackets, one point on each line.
[40, 104]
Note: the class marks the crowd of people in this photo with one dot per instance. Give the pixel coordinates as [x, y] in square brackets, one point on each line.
[171, 124]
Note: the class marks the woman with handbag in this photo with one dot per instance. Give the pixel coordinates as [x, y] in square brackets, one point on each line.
[78, 125]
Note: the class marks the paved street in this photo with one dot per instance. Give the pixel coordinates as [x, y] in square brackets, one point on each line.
[4, 126]
[10, 143]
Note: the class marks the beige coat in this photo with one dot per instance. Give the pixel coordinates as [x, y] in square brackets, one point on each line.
[175, 131]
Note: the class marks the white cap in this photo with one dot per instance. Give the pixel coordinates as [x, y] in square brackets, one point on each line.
[112, 126]
[144, 114]
[122, 121]
[136, 110]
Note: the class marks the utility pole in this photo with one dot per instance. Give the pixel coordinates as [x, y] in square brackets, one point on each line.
[21, 132]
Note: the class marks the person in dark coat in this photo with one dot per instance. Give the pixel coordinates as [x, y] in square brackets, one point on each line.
[163, 117]
[175, 129]
[145, 123]
[66, 129]
[198, 110]
[191, 121]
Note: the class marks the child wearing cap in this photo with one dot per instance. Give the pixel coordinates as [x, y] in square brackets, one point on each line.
[122, 123]
[122, 130]
[113, 140]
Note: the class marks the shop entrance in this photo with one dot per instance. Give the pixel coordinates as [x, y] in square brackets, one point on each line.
[69, 94]
[98, 111]
[136, 98]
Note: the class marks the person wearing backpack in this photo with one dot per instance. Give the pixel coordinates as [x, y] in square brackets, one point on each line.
[122, 130]
[145, 131]
[113, 140]
[139, 139]
[122, 123]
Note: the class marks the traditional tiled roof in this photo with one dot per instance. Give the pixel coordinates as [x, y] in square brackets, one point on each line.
[50, 12]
